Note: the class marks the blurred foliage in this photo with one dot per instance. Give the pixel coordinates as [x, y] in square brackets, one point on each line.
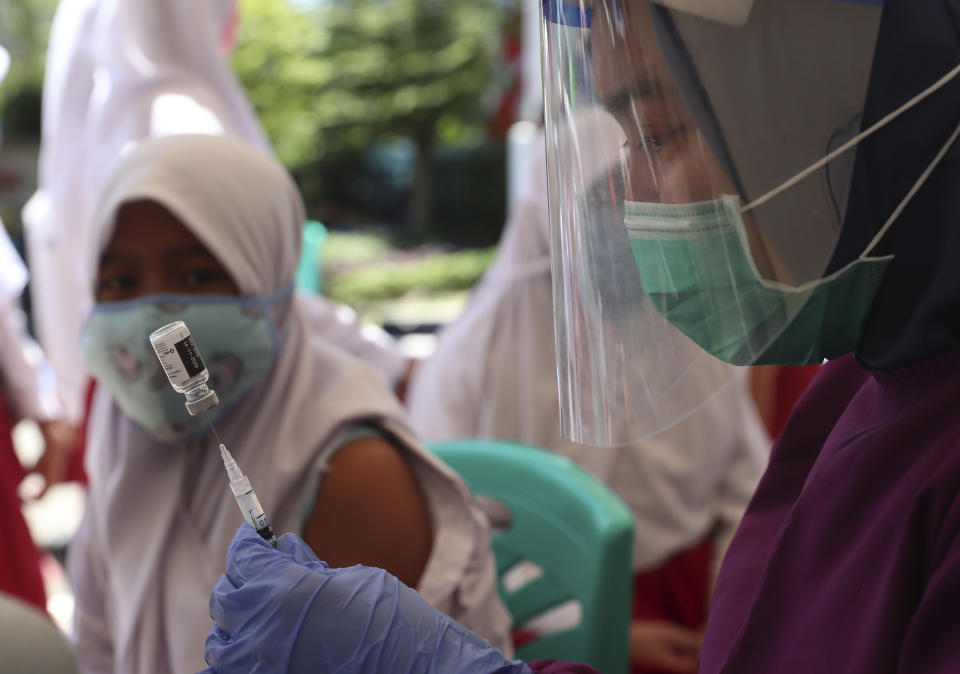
[24, 29]
[469, 194]
[343, 249]
[379, 277]
[337, 81]
[331, 79]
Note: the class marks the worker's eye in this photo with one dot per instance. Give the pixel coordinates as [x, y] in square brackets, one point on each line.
[200, 276]
[661, 139]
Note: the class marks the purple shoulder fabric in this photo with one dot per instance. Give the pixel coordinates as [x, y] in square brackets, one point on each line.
[848, 557]
[557, 667]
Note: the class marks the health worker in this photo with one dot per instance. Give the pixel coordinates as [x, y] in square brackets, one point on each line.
[783, 191]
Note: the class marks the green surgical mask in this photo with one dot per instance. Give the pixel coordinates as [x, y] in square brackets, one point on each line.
[695, 265]
[236, 336]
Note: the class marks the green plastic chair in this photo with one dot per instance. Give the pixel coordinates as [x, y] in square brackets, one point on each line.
[309, 275]
[570, 525]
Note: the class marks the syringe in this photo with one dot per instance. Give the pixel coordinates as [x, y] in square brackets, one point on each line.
[184, 367]
[246, 498]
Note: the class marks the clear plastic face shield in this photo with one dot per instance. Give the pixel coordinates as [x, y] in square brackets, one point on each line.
[699, 156]
[4, 67]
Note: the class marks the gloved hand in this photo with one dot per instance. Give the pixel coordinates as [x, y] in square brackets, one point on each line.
[286, 611]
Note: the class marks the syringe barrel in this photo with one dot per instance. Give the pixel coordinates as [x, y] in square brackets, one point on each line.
[251, 509]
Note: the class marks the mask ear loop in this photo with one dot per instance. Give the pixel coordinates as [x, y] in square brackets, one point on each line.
[936, 86]
[913, 190]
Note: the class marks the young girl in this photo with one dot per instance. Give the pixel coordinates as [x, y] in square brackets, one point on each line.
[206, 230]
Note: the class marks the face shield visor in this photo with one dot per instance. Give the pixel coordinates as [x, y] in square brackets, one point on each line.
[700, 155]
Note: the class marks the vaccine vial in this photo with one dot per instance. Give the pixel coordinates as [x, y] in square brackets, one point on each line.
[184, 367]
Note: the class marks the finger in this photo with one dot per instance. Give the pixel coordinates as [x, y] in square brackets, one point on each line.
[52, 467]
[41, 470]
[678, 664]
[221, 591]
[677, 634]
[245, 534]
[215, 646]
[299, 550]
[683, 651]
[249, 555]
[57, 469]
[684, 642]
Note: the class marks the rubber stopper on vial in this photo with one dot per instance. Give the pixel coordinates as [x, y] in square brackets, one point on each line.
[204, 402]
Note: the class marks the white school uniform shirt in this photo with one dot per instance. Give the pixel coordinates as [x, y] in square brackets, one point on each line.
[27, 383]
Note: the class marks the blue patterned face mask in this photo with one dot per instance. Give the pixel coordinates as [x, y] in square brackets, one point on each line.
[236, 335]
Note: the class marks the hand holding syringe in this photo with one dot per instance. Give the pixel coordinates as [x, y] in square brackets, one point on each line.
[184, 368]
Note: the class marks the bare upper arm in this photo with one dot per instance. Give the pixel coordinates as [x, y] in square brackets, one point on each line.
[370, 510]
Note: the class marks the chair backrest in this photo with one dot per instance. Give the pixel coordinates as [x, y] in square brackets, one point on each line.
[309, 275]
[570, 525]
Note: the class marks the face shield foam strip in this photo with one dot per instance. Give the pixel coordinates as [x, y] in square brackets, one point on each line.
[572, 16]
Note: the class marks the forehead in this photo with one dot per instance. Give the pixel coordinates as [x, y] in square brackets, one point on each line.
[149, 227]
[624, 48]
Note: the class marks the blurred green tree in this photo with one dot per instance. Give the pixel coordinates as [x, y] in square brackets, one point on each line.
[329, 79]
[24, 29]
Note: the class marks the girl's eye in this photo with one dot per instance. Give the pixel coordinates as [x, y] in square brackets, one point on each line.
[202, 276]
[116, 283]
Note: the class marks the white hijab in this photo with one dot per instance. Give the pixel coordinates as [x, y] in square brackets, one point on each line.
[159, 519]
[494, 375]
[27, 384]
[118, 72]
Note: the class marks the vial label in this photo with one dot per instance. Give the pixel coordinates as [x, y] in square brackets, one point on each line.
[178, 355]
[190, 355]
